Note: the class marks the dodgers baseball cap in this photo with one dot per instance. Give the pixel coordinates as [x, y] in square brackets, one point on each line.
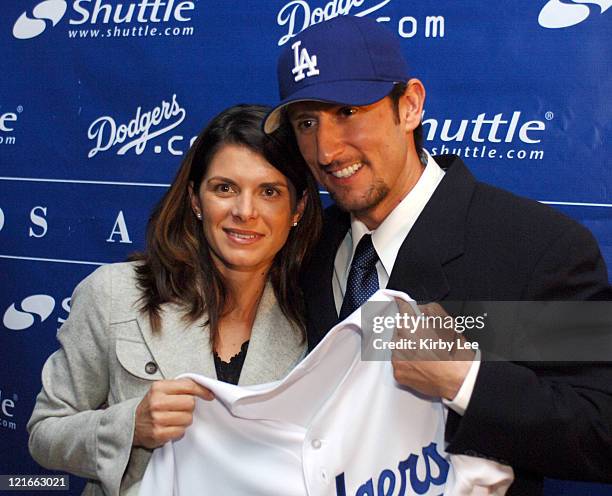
[347, 60]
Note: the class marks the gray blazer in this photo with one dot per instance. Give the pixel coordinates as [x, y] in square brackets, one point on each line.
[83, 421]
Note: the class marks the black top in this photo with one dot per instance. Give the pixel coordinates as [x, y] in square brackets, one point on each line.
[230, 371]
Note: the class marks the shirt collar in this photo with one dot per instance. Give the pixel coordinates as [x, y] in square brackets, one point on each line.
[390, 235]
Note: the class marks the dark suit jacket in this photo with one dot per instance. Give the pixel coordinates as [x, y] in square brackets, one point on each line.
[476, 242]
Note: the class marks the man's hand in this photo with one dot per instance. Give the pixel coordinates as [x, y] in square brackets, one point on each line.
[434, 372]
[166, 411]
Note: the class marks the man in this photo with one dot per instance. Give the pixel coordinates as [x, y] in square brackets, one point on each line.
[431, 230]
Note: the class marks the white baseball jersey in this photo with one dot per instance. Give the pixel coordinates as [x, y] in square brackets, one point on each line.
[336, 425]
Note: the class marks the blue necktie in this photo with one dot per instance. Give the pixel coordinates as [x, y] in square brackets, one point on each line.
[363, 278]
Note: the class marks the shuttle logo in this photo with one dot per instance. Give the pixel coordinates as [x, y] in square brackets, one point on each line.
[488, 136]
[8, 121]
[556, 14]
[127, 19]
[485, 128]
[27, 27]
[22, 317]
[7, 410]
[17, 320]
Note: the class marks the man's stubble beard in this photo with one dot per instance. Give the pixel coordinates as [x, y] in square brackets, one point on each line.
[377, 192]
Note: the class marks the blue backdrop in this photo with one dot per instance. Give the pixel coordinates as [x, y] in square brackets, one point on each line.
[100, 99]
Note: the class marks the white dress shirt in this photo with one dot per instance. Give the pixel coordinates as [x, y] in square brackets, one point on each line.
[387, 240]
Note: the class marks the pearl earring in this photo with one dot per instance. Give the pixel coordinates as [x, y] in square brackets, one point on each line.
[295, 224]
[199, 215]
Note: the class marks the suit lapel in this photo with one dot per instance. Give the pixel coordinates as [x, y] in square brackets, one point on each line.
[179, 347]
[275, 346]
[437, 237]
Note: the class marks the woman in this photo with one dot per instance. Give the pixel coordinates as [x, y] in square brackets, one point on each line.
[215, 292]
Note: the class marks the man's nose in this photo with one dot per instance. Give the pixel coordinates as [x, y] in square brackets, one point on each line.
[329, 142]
[244, 207]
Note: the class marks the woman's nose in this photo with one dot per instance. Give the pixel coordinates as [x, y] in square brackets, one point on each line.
[244, 207]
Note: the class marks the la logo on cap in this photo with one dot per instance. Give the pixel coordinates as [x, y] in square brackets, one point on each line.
[303, 61]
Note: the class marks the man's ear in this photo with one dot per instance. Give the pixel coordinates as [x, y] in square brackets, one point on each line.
[411, 104]
[194, 199]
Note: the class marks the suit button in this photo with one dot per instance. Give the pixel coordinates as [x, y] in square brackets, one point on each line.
[316, 443]
[151, 368]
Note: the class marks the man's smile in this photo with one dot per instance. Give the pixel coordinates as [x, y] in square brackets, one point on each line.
[347, 171]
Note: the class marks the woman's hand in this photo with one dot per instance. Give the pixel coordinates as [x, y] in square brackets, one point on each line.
[166, 411]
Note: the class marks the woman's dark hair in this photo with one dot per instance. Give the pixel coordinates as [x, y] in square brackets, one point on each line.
[177, 266]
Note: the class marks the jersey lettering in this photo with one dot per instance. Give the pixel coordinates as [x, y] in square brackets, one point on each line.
[387, 478]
